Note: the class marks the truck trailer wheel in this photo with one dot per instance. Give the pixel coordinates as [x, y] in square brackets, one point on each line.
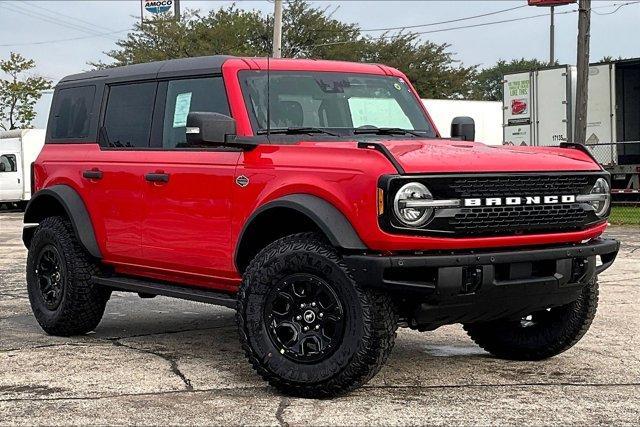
[306, 327]
[540, 335]
[59, 271]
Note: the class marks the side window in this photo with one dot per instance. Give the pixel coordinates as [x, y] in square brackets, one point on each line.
[8, 163]
[127, 120]
[72, 112]
[184, 96]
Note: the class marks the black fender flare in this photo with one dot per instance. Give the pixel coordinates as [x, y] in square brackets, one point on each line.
[335, 226]
[39, 207]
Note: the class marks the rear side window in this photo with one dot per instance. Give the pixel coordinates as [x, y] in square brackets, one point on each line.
[184, 96]
[72, 109]
[128, 117]
[8, 162]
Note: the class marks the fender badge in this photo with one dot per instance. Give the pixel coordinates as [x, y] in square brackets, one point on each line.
[242, 181]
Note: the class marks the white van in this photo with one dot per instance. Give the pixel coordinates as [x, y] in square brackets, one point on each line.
[18, 149]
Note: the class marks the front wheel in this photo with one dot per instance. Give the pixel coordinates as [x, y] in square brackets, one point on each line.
[539, 335]
[306, 327]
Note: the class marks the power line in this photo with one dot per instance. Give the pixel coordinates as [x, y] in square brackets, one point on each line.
[63, 40]
[613, 5]
[91, 24]
[484, 24]
[431, 24]
[19, 10]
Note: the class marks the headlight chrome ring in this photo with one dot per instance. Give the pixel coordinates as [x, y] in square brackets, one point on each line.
[412, 216]
[601, 206]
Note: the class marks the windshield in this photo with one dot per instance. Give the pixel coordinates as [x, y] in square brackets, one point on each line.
[336, 102]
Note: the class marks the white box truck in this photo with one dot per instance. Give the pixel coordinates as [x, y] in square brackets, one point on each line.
[18, 149]
[487, 116]
[539, 109]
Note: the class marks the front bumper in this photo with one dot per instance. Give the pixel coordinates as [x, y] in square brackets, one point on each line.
[481, 286]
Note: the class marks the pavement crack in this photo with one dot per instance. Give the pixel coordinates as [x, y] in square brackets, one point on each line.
[172, 362]
[220, 392]
[282, 406]
[35, 347]
[445, 386]
[150, 334]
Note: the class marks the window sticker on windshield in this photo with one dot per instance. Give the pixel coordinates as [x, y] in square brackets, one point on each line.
[183, 104]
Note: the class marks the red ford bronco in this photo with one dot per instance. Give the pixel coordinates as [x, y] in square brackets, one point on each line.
[316, 198]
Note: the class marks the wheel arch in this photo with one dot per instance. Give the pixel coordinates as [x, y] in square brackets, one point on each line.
[293, 214]
[61, 200]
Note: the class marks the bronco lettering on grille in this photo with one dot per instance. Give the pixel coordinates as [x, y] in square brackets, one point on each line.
[516, 201]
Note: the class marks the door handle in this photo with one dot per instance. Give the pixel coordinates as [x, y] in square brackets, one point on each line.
[157, 177]
[92, 174]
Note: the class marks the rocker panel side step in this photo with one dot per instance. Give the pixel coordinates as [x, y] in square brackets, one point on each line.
[167, 290]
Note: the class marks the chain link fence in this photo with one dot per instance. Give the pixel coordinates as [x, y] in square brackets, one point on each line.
[622, 160]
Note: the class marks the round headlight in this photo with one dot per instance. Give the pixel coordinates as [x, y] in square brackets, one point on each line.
[413, 216]
[601, 206]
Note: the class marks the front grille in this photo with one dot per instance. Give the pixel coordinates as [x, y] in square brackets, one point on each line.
[502, 220]
[514, 185]
[498, 219]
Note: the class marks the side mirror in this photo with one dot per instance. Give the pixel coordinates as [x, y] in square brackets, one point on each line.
[205, 128]
[2, 167]
[463, 128]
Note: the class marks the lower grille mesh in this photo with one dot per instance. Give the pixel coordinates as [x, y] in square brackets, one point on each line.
[503, 219]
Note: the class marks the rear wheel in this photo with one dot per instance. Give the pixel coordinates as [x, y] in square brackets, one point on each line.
[306, 326]
[59, 272]
[539, 335]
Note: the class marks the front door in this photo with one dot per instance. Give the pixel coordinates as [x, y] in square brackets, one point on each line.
[187, 193]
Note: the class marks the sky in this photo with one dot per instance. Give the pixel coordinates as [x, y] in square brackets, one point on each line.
[36, 28]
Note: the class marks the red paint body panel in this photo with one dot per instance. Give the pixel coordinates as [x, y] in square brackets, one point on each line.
[187, 230]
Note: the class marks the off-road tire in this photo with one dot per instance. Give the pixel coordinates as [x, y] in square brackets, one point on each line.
[82, 304]
[369, 332]
[563, 328]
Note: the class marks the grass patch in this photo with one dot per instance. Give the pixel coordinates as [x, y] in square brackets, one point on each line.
[625, 215]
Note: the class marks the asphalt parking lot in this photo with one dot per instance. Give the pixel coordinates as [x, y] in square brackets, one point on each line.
[164, 361]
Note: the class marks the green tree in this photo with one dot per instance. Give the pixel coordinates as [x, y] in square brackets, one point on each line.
[431, 67]
[488, 84]
[308, 32]
[19, 93]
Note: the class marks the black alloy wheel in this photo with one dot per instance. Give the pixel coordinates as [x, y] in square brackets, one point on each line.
[305, 318]
[50, 274]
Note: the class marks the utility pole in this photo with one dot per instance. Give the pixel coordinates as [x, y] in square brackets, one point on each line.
[552, 37]
[584, 29]
[277, 29]
[177, 10]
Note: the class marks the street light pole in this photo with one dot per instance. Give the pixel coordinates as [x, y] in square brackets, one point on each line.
[277, 28]
[582, 94]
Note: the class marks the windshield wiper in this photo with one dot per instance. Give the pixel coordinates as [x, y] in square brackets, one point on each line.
[386, 131]
[296, 131]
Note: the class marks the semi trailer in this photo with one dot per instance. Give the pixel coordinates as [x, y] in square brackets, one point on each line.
[539, 110]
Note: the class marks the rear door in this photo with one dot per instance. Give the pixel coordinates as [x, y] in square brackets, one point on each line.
[517, 109]
[186, 217]
[108, 175]
[554, 105]
[600, 114]
[10, 177]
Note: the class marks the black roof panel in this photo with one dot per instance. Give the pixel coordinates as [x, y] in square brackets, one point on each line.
[151, 70]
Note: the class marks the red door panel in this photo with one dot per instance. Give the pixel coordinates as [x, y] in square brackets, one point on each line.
[186, 220]
[112, 196]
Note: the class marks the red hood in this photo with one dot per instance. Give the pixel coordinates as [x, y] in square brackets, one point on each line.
[420, 156]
